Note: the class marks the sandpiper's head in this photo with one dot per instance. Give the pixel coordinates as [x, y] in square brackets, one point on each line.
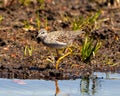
[42, 33]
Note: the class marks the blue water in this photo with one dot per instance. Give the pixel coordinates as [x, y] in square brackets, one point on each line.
[109, 85]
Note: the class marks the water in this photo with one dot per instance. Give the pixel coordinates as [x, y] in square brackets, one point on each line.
[109, 85]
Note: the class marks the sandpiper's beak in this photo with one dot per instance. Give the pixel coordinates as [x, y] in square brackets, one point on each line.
[37, 36]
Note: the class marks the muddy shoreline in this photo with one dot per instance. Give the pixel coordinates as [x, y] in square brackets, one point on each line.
[19, 27]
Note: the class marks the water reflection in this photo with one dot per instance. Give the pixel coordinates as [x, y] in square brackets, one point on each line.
[109, 85]
[111, 76]
[57, 88]
[58, 92]
[87, 87]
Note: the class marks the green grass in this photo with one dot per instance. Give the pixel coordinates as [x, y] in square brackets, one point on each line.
[89, 23]
[1, 18]
[89, 49]
[46, 23]
[25, 2]
[28, 51]
[38, 20]
[39, 23]
[27, 26]
[42, 3]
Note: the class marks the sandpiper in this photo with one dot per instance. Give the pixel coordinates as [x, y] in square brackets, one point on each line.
[58, 40]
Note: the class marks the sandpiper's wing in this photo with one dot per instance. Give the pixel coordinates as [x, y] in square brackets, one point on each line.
[63, 36]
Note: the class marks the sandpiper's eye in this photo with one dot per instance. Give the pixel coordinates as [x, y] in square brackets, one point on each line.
[43, 32]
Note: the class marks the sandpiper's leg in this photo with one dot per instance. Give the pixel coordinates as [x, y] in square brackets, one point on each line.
[58, 53]
[62, 57]
[52, 57]
[57, 88]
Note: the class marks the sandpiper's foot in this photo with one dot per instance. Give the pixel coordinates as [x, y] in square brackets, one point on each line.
[62, 57]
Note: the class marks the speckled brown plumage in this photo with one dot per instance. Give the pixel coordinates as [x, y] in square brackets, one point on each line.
[58, 39]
